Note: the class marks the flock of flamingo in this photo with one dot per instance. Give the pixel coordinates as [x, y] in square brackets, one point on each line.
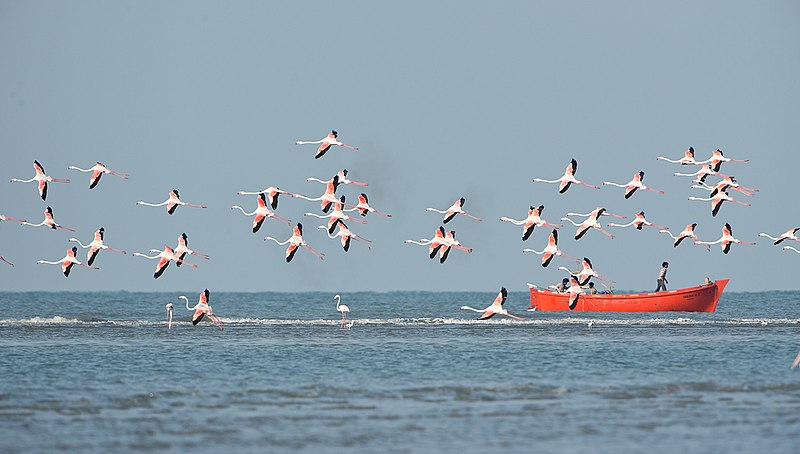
[335, 211]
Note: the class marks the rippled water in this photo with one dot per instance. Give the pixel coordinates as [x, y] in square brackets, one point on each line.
[94, 372]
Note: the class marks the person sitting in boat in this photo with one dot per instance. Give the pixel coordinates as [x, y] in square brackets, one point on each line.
[662, 277]
[563, 286]
[591, 290]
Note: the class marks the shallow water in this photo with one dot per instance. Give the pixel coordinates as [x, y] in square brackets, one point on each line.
[94, 372]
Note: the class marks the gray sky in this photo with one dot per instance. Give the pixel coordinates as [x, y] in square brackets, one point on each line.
[445, 99]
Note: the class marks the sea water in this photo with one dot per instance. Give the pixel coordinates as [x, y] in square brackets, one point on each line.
[100, 372]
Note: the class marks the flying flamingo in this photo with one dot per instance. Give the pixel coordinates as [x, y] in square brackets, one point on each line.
[495, 308]
[450, 243]
[97, 171]
[95, 246]
[295, 241]
[169, 308]
[725, 184]
[201, 309]
[591, 222]
[3, 259]
[796, 361]
[434, 244]
[575, 291]
[261, 213]
[703, 173]
[67, 262]
[341, 308]
[716, 201]
[687, 159]
[41, 179]
[272, 194]
[182, 249]
[172, 202]
[326, 199]
[633, 185]
[716, 160]
[326, 143]
[587, 273]
[567, 179]
[363, 207]
[688, 232]
[342, 174]
[597, 212]
[789, 248]
[551, 250]
[726, 240]
[335, 215]
[638, 221]
[165, 256]
[532, 221]
[48, 221]
[454, 209]
[346, 235]
[788, 235]
[6, 218]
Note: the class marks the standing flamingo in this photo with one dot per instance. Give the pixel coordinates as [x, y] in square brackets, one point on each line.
[687, 159]
[363, 207]
[551, 250]
[165, 256]
[326, 143]
[346, 235]
[41, 179]
[95, 246]
[591, 222]
[172, 202]
[169, 308]
[688, 232]
[183, 248]
[261, 213]
[726, 240]
[341, 308]
[633, 185]
[97, 171]
[202, 308]
[342, 174]
[336, 215]
[788, 235]
[271, 192]
[532, 221]
[295, 241]
[3, 259]
[717, 199]
[495, 308]
[454, 209]
[434, 244]
[67, 262]
[567, 179]
[48, 221]
[638, 221]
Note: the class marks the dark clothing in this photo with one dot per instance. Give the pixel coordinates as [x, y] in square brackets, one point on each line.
[661, 285]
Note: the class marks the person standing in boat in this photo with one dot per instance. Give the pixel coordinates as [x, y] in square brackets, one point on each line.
[662, 277]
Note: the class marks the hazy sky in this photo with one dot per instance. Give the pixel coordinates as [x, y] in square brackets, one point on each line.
[445, 99]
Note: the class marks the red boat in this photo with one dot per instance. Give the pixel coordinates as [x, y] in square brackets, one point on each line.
[702, 298]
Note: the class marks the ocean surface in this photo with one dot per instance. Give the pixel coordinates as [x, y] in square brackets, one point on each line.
[100, 372]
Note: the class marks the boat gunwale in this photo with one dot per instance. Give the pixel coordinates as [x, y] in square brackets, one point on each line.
[593, 296]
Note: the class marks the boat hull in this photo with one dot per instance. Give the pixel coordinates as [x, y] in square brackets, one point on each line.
[702, 298]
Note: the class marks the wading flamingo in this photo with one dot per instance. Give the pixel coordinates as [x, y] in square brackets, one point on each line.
[169, 308]
[41, 179]
[341, 308]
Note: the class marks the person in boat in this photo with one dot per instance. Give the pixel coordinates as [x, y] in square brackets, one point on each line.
[662, 277]
[591, 290]
[563, 286]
